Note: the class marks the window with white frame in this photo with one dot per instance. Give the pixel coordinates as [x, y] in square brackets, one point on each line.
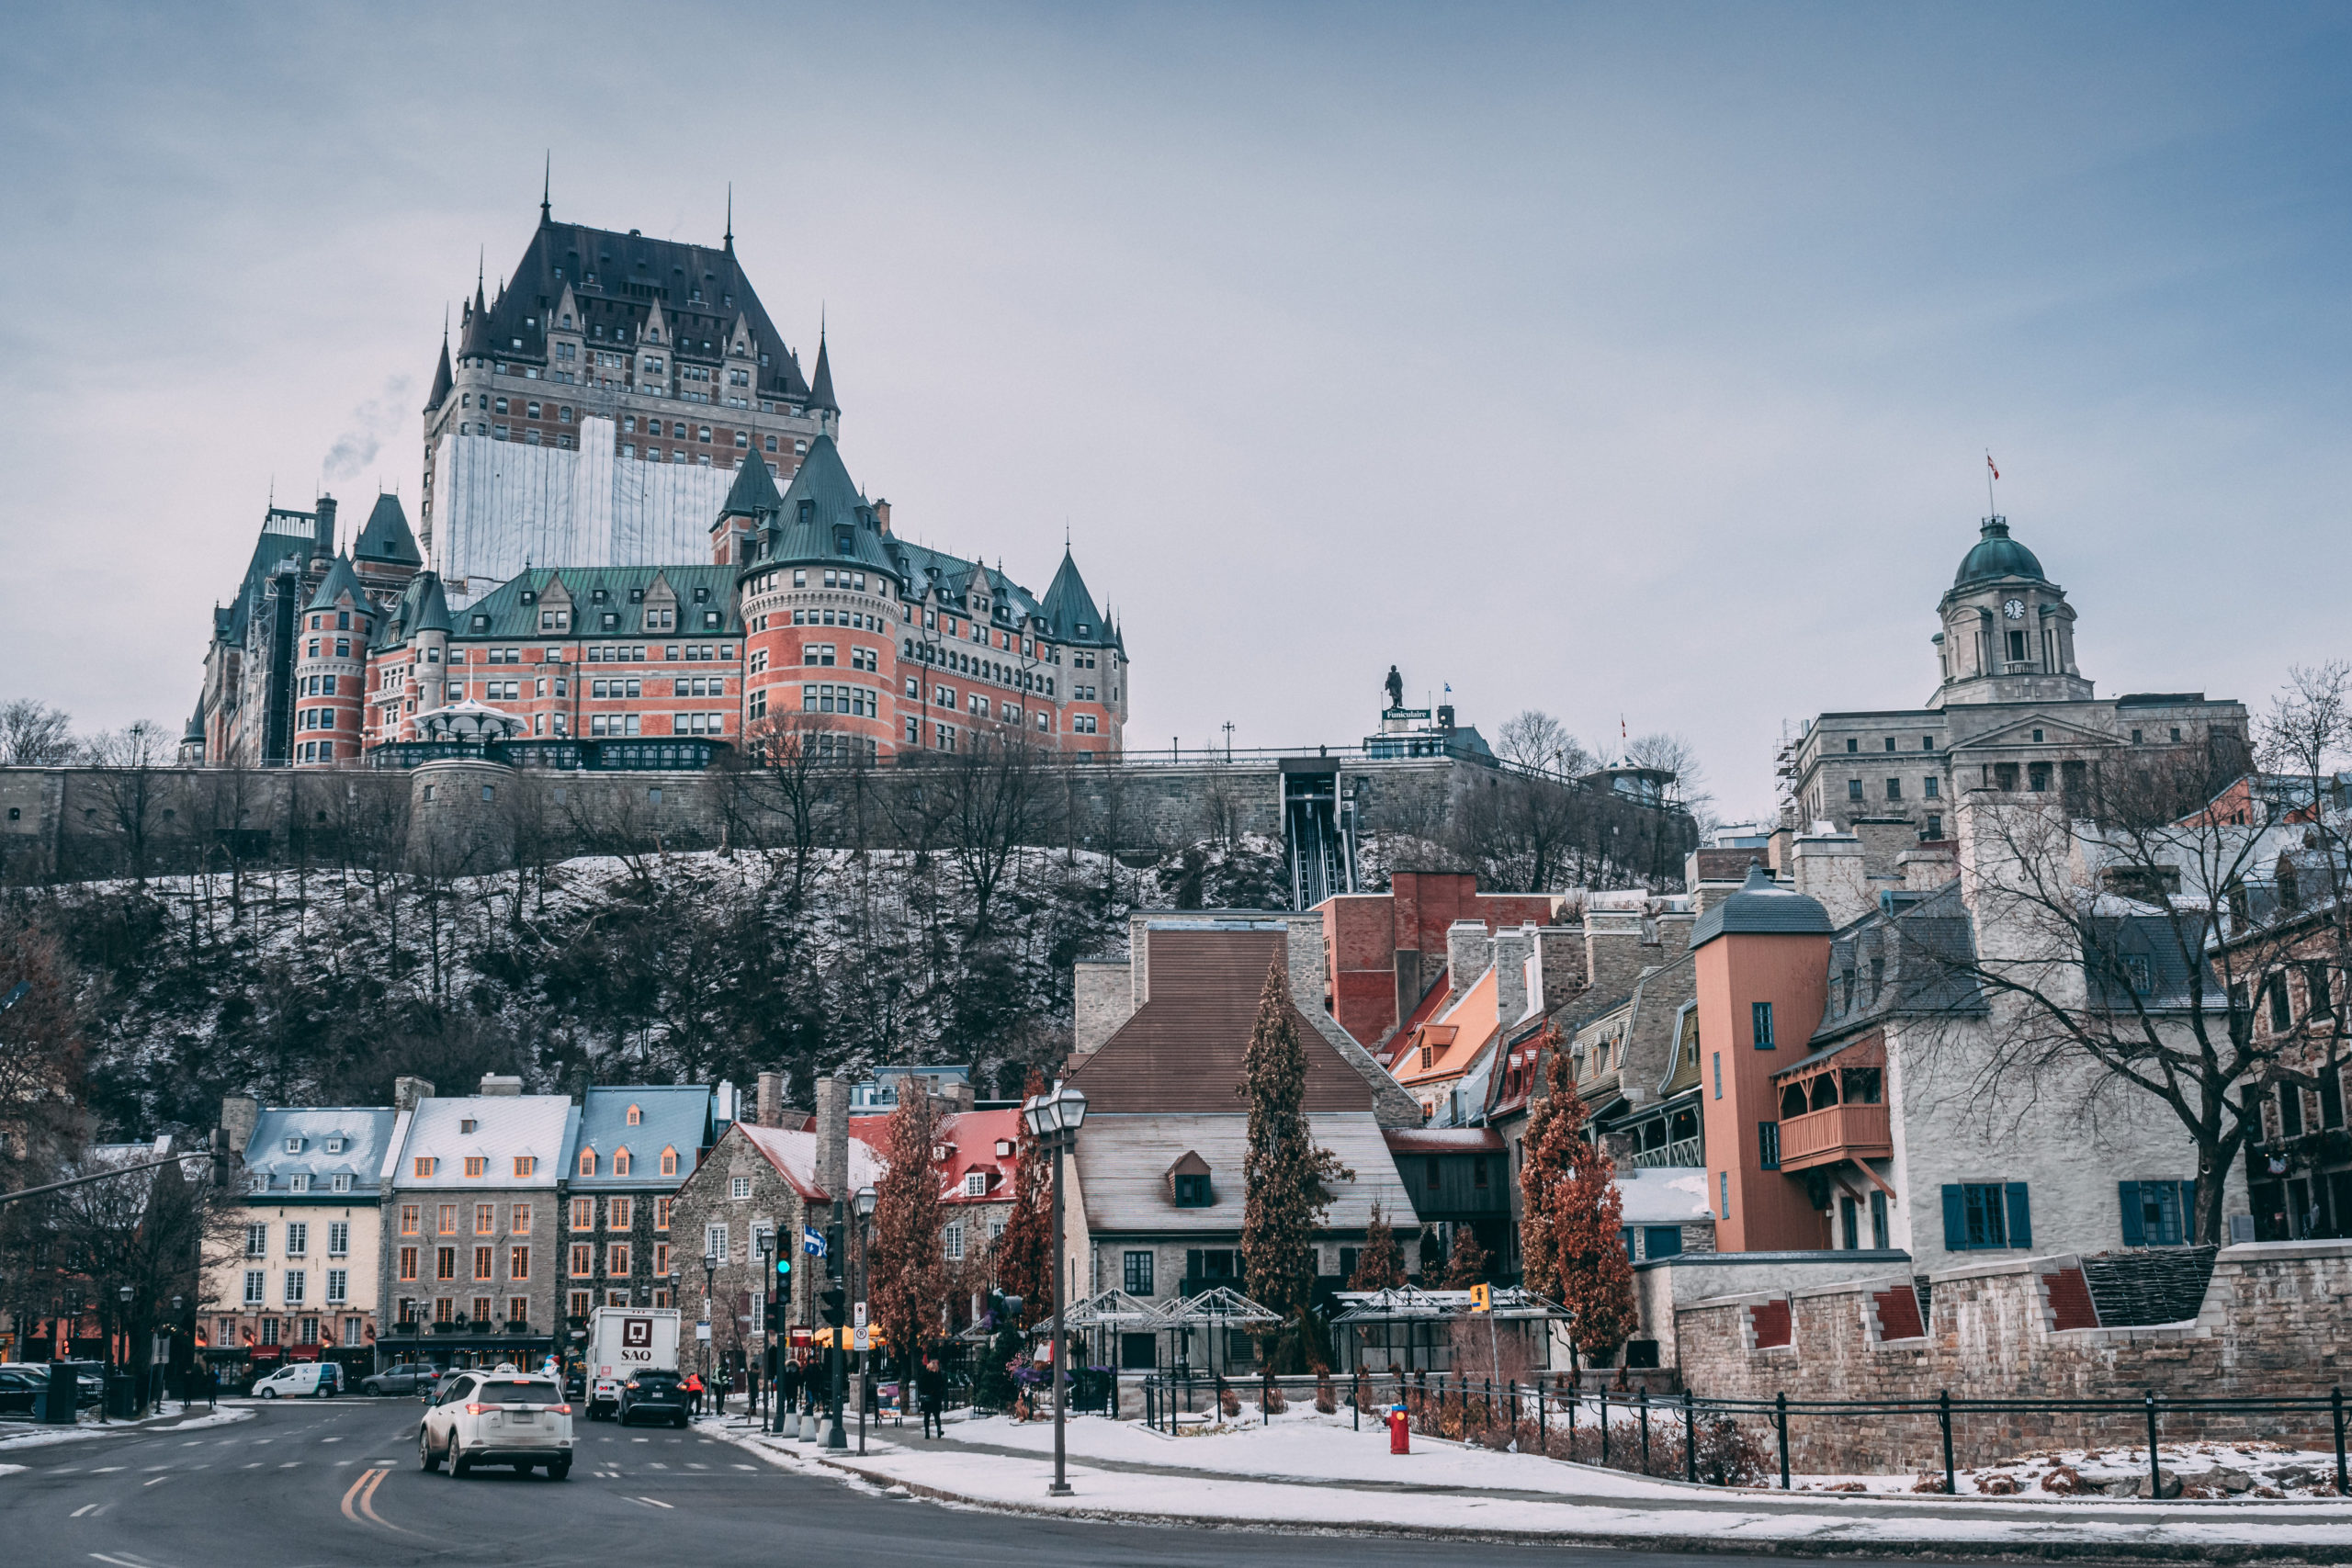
[298, 1239]
[257, 1288]
[951, 1240]
[297, 1286]
[338, 1238]
[256, 1241]
[338, 1286]
[975, 1184]
[742, 1190]
[713, 1243]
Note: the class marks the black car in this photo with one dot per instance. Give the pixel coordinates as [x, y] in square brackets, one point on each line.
[653, 1396]
[18, 1390]
[575, 1386]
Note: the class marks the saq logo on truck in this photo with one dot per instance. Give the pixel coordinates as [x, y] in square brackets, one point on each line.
[624, 1341]
[637, 1339]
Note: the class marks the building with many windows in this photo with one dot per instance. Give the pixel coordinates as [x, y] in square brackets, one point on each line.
[631, 1151]
[294, 1279]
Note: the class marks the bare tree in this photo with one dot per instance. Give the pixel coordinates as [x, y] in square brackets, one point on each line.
[34, 734]
[987, 804]
[792, 761]
[2103, 955]
[1535, 740]
[127, 765]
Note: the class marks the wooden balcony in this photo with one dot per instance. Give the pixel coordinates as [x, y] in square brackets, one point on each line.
[1839, 1133]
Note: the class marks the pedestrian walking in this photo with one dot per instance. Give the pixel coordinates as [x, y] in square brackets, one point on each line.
[787, 1386]
[930, 1389]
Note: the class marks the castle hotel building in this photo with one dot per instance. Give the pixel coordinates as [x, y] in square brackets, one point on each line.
[637, 531]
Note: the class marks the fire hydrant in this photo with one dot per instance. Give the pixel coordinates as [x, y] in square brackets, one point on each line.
[1400, 1430]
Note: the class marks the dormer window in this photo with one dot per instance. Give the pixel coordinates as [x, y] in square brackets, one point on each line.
[621, 1160]
[635, 1116]
[343, 1182]
[294, 1145]
[1004, 1149]
[975, 1184]
[298, 1182]
[465, 1124]
[1188, 1182]
[482, 622]
[587, 1162]
[334, 1145]
[529, 598]
[669, 1162]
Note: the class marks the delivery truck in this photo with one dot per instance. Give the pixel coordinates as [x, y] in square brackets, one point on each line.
[623, 1341]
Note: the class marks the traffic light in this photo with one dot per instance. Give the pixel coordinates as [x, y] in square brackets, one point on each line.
[780, 1284]
[834, 1305]
[833, 1252]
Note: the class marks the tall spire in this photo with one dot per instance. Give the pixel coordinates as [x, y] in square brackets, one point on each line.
[443, 383]
[730, 218]
[820, 385]
[546, 188]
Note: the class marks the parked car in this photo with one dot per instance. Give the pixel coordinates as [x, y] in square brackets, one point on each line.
[401, 1376]
[652, 1396]
[18, 1390]
[87, 1378]
[517, 1418]
[300, 1380]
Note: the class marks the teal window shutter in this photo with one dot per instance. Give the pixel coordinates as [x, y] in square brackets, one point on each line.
[1955, 1224]
[2020, 1216]
[2134, 1233]
[2188, 1214]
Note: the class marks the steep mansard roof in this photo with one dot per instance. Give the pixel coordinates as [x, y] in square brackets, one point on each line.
[339, 580]
[504, 611]
[386, 537]
[754, 493]
[821, 386]
[1069, 606]
[442, 382]
[617, 281]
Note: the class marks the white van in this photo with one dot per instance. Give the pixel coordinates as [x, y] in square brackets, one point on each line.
[298, 1379]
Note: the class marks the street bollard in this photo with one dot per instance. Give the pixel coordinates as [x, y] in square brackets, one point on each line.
[1646, 1429]
[1943, 1415]
[1780, 1414]
[2342, 1482]
[1604, 1423]
[1690, 1440]
[2156, 1470]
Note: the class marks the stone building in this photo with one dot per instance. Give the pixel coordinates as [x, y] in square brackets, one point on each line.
[2011, 709]
[632, 1148]
[471, 1263]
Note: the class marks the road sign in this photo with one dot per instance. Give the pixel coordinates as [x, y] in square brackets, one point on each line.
[857, 1314]
[702, 1331]
[857, 1339]
[1482, 1299]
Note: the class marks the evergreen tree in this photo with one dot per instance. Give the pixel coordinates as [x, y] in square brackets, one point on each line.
[1572, 1238]
[1467, 1264]
[1024, 1253]
[1381, 1265]
[1285, 1174]
[906, 1272]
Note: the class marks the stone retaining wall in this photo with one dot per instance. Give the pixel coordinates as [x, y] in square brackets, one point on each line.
[2277, 1320]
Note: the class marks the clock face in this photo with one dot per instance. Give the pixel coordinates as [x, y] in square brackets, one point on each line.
[2014, 609]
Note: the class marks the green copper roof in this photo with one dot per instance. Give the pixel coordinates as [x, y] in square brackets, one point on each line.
[339, 580]
[1997, 556]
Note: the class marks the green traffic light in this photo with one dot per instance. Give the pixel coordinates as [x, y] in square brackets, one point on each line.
[783, 1265]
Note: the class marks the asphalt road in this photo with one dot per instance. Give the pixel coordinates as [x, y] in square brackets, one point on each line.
[337, 1483]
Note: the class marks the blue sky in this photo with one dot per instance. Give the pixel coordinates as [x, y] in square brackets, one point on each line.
[1619, 360]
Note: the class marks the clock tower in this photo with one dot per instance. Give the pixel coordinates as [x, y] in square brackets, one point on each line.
[2008, 633]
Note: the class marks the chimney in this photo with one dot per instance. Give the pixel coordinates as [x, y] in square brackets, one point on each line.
[1925, 870]
[1468, 951]
[832, 1137]
[501, 1084]
[1561, 948]
[239, 1113]
[882, 515]
[1614, 956]
[1830, 867]
[725, 1099]
[406, 1092]
[770, 1104]
[322, 536]
[1674, 935]
[1513, 948]
[959, 1096]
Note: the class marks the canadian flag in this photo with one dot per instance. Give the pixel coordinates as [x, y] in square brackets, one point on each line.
[1988, 463]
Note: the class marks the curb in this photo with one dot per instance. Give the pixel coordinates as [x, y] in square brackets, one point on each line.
[1815, 1546]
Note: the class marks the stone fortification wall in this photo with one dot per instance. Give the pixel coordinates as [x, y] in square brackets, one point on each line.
[2275, 1320]
[78, 823]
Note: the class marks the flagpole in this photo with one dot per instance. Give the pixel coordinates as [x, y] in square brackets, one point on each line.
[1991, 510]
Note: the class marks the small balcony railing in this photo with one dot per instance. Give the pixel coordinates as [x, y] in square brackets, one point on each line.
[1840, 1132]
[1681, 1152]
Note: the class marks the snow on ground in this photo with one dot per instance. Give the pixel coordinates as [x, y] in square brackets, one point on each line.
[28, 1436]
[2219, 1470]
[1314, 1472]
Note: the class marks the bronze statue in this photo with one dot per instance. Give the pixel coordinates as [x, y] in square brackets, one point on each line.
[1395, 688]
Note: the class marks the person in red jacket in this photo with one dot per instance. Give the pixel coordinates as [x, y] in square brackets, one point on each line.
[692, 1387]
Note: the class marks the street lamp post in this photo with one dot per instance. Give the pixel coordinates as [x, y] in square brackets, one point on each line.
[866, 1202]
[710, 1319]
[1054, 1119]
[767, 1242]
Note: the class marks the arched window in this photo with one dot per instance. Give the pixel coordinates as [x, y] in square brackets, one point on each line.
[621, 1160]
[669, 1162]
[635, 1115]
[587, 1162]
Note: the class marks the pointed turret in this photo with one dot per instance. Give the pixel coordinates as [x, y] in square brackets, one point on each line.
[1069, 608]
[340, 583]
[546, 188]
[754, 493]
[432, 608]
[442, 382]
[820, 385]
[386, 535]
[474, 342]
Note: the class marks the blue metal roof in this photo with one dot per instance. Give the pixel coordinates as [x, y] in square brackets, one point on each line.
[670, 1116]
[320, 1142]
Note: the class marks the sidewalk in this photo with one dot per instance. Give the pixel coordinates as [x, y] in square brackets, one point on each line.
[1319, 1475]
[16, 1435]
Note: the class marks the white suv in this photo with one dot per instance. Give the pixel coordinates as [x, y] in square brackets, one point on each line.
[502, 1417]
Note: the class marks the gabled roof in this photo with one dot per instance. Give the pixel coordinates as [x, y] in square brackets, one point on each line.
[970, 1139]
[1183, 1050]
[793, 1154]
[504, 1125]
[674, 1116]
[1124, 1163]
[339, 583]
[386, 537]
